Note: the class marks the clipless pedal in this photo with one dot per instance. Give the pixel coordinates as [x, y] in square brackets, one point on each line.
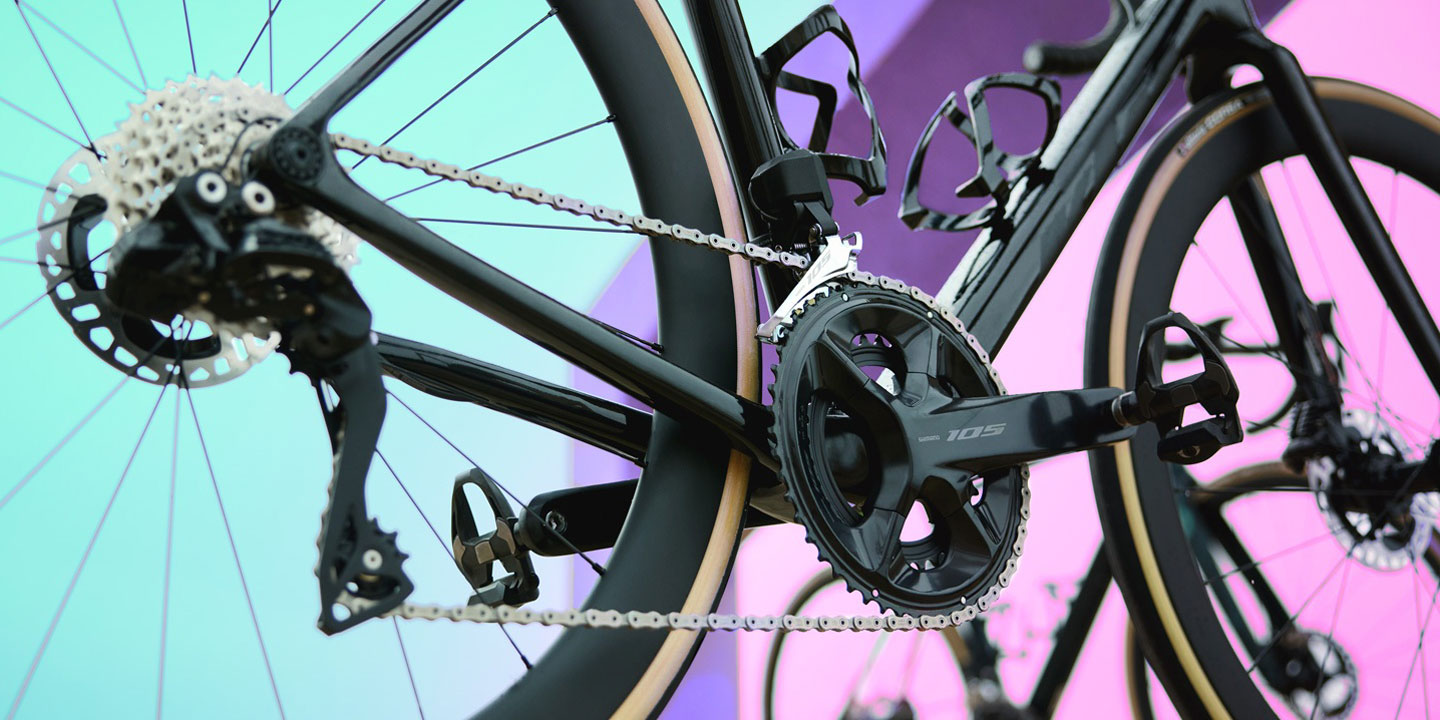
[1163, 403]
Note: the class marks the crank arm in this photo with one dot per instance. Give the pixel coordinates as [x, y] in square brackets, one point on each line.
[988, 433]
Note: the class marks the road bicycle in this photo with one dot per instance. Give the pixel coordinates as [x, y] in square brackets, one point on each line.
[217, 226]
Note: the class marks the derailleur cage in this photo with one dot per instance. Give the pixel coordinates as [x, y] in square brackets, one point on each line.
[476, 554]
[997, 169]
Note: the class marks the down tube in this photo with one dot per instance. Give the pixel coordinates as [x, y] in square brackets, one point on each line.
[1004, 268]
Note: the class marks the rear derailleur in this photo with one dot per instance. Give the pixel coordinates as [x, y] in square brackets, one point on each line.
[212, 252]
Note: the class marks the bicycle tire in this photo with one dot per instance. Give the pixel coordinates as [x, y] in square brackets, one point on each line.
[679, 539]
[1185, 174]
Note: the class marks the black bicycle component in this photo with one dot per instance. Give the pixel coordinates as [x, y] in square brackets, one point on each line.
[1215, 330]
[607, 425]
[855, 462]
[1045, 58]
[204, 248]
[791, 192]
[1163, 403]
[476, 554]
[881, 406]
[997, 169]
[866, 173]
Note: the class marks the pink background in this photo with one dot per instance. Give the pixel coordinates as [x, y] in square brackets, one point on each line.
[1390, 44]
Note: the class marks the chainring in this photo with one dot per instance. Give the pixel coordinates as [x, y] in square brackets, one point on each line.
[854, 365]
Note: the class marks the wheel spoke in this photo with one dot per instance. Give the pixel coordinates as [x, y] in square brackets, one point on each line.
[85, 557]
[1277, 633]
[169, 547]
[235, 552]
[1419, 646]
[43, 295]
[270, 42]
[449, 553]
[179, 374]
[52, 128]
[511, 154]
[1424, 671]
[268, 18]
[74, 430]
[857, 685]
[27, 181]
[463, 80]
[597, 567]
[81, 46]
[36, 263]
[189, 38]
[38, 228]
[408, 672]
[321, 59]
[1329, 640]
[1257, 563]
[89, 143]
[121, 17]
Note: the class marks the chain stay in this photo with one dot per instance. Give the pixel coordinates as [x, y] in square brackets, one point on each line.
[651, 227]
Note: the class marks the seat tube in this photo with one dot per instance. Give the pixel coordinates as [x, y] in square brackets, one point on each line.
[742, 106]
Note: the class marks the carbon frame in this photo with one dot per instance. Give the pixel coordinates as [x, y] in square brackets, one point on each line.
[1001, 271]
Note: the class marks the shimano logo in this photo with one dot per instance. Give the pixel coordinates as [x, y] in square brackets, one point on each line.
[969, 433]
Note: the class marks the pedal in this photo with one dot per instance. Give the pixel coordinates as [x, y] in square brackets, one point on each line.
[1162, 403]
[476, 554]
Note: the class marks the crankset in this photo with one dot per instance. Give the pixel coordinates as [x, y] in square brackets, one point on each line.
[906, 461]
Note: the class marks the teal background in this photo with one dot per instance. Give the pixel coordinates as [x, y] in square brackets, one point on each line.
[263, 432]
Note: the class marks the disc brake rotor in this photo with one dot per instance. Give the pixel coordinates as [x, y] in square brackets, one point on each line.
[92, 200]
[1383, 541]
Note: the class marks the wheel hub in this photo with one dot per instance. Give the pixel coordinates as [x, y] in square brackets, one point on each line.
[1363, 512]
[94, 199]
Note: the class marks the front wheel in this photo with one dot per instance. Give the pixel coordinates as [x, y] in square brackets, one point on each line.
[1287, 602]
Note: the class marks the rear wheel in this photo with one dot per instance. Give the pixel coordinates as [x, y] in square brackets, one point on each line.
[679, 536]
[1264, 605]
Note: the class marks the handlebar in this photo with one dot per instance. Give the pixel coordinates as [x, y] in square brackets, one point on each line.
[1044, 58]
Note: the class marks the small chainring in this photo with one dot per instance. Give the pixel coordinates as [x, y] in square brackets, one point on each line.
[895, 524]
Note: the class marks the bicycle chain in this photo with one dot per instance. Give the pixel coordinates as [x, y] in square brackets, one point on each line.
[651, 227]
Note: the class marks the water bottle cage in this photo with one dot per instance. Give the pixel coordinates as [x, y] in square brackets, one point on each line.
[866, 173]
[998, 170]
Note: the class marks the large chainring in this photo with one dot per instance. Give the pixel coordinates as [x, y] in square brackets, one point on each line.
[877, 499]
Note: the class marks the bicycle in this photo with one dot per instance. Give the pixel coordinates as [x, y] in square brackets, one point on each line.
[227, 236]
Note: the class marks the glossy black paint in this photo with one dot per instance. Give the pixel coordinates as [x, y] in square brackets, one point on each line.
[1006, 265]
[607, 425]
[589, 516]
[585, 343]
[751, 132]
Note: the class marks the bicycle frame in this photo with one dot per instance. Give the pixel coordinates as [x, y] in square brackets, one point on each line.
[1001, 271]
